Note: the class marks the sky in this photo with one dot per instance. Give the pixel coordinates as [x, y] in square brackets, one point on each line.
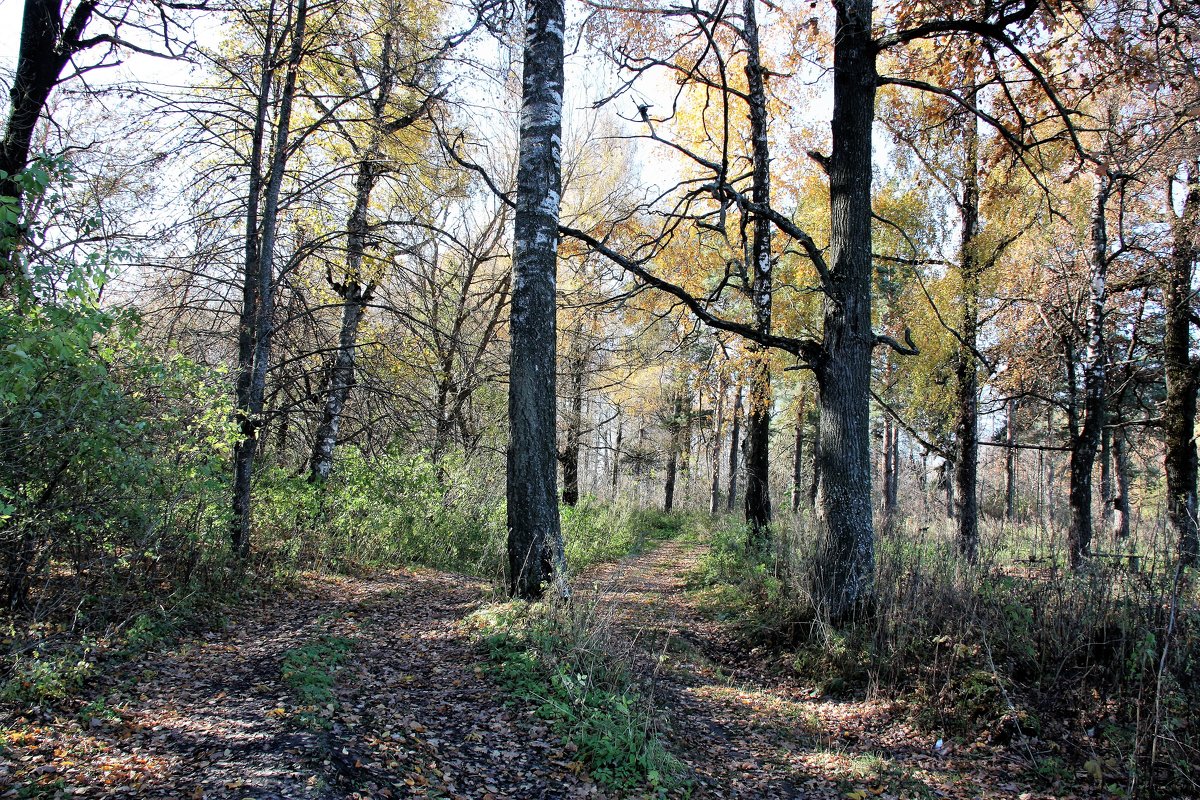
[10, 32]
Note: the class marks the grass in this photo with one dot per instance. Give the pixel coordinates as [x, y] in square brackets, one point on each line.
[566, 662]
[310, 672]
[1009, 652]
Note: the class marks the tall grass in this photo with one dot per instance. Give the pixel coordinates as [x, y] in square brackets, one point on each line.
[1016, 649]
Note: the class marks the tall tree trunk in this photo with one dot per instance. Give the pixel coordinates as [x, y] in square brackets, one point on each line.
[535, 547]
[1179, 407]
[758, 417]
[354, 299]
[966, 462]
[714, 499]
[798, 457]
[257, 321]
[891, 471]
[46, 45]
[1010, 462]
[846, 560]
[1121, 509]
[675, 442]
[616, 457]
[1085, 446]
[571, 447]
[734, 450]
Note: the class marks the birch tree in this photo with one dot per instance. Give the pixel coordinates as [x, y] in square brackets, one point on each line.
[535, 548]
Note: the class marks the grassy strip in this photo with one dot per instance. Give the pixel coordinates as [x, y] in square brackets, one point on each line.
[563, 660]
[310, 671]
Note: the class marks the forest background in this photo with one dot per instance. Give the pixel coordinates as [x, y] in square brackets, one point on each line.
[900, 299]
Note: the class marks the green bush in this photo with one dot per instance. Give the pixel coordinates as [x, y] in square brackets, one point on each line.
[380, 512]
[112, 455]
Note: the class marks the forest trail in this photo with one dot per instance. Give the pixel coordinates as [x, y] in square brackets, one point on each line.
[747, 730]
[413, 714]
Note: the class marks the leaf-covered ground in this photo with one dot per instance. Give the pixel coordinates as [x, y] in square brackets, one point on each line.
[412, 713]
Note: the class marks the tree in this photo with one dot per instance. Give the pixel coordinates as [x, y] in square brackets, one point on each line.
[52, 38]
[388, 78]
[256, 324]
[535, 549]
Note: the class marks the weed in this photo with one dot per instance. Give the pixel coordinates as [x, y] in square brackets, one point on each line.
[39, 678]
[309, 672]
[564, 660]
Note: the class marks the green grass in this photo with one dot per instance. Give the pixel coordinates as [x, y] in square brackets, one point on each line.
[310, 673]
[585, 692]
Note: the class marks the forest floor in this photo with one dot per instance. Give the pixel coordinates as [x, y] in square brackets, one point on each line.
[413, 712]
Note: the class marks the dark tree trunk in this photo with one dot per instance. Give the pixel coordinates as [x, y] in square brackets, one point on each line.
[257, 317]
[966, 463]
[535, 548]
[1010, 463]
[1121, 509]
[616, 457]
[714, 499]
[574, 435]
[354, 298]
[45, 48]
[1179, 407]
[675, 431]
[846, 560]
[891, 472]
[1085, 445]
[798, 458]
[758, 417]
[734, 450]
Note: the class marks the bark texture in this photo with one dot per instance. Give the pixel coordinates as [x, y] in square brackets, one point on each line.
[1087, 433]
[256, 331]
[758, 417]
[535, 548]
[966, 462]
[1179, 407]
[846, 558]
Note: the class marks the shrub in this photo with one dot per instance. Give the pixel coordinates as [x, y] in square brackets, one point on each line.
[112, 454]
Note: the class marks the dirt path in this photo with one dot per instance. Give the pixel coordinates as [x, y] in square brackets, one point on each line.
[746, 730]
[414, 715]
[210, 719]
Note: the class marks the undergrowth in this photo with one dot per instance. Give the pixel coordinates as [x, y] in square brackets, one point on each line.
[565, 659]
[1009, 653]
[310, 673]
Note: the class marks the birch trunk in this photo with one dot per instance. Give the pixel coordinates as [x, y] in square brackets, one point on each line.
[1085, 445]
[535, 547]
[758, 417]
